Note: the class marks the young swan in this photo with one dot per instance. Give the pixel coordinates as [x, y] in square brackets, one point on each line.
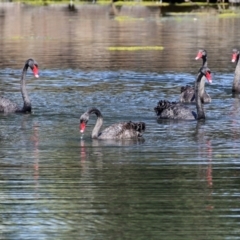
[123, 130]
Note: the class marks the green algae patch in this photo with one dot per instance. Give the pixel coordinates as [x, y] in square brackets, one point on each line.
[137, 3]
[127, 18]
[229, 15]
[16, 38]
[136, 48]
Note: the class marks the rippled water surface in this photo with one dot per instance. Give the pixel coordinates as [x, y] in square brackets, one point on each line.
[180, 182]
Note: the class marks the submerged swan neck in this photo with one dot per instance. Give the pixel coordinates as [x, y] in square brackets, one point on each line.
[99, 122]
[199, 89]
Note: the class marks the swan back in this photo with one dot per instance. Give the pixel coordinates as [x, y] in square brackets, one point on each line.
[7, 106]
[173, 110]
[124, 130]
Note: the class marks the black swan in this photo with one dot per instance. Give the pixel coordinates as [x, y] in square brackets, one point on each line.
[174, 110]
[124, 130]
[7, 106]
[236, 82]
[187, 92]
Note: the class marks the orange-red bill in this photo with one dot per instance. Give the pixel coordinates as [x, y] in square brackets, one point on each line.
[82, 127]
[199, 55]
[209, 77]
[234, 57]
[35, 71]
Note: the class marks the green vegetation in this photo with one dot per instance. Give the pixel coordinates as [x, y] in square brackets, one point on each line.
[135, 48]
[185, 7]
[118, 3]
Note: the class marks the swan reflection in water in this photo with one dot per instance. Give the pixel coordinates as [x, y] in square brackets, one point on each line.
[33, 139]
[205, 153]
[96, 148]
[105, 143]
[234, 113]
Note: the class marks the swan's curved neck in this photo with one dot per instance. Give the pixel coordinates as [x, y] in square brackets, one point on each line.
[199, 90]
[26, 101]
[236, 81]
[99, 122]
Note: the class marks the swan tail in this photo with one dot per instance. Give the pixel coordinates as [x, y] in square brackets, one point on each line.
[139, 127]
[162, 105]
[185, 88]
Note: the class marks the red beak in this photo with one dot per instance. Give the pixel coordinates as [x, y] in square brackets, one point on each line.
[234, 57]
[199, 55]
[82, 127]
[209, 77]
[35, 71]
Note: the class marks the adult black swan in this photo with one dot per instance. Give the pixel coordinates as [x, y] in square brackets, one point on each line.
[188, 92]
[174, 110]
[124, 130]
[236, 81]
[8, 106]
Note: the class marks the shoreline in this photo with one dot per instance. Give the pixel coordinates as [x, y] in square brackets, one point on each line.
[164, 9]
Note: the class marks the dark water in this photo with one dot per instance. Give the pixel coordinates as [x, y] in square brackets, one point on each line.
[180, 182]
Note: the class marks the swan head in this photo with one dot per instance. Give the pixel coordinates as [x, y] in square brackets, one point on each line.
[34, 66]
[207, 73]
[85, 117]
[83, 122]
[235, 55]
[201, 54]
